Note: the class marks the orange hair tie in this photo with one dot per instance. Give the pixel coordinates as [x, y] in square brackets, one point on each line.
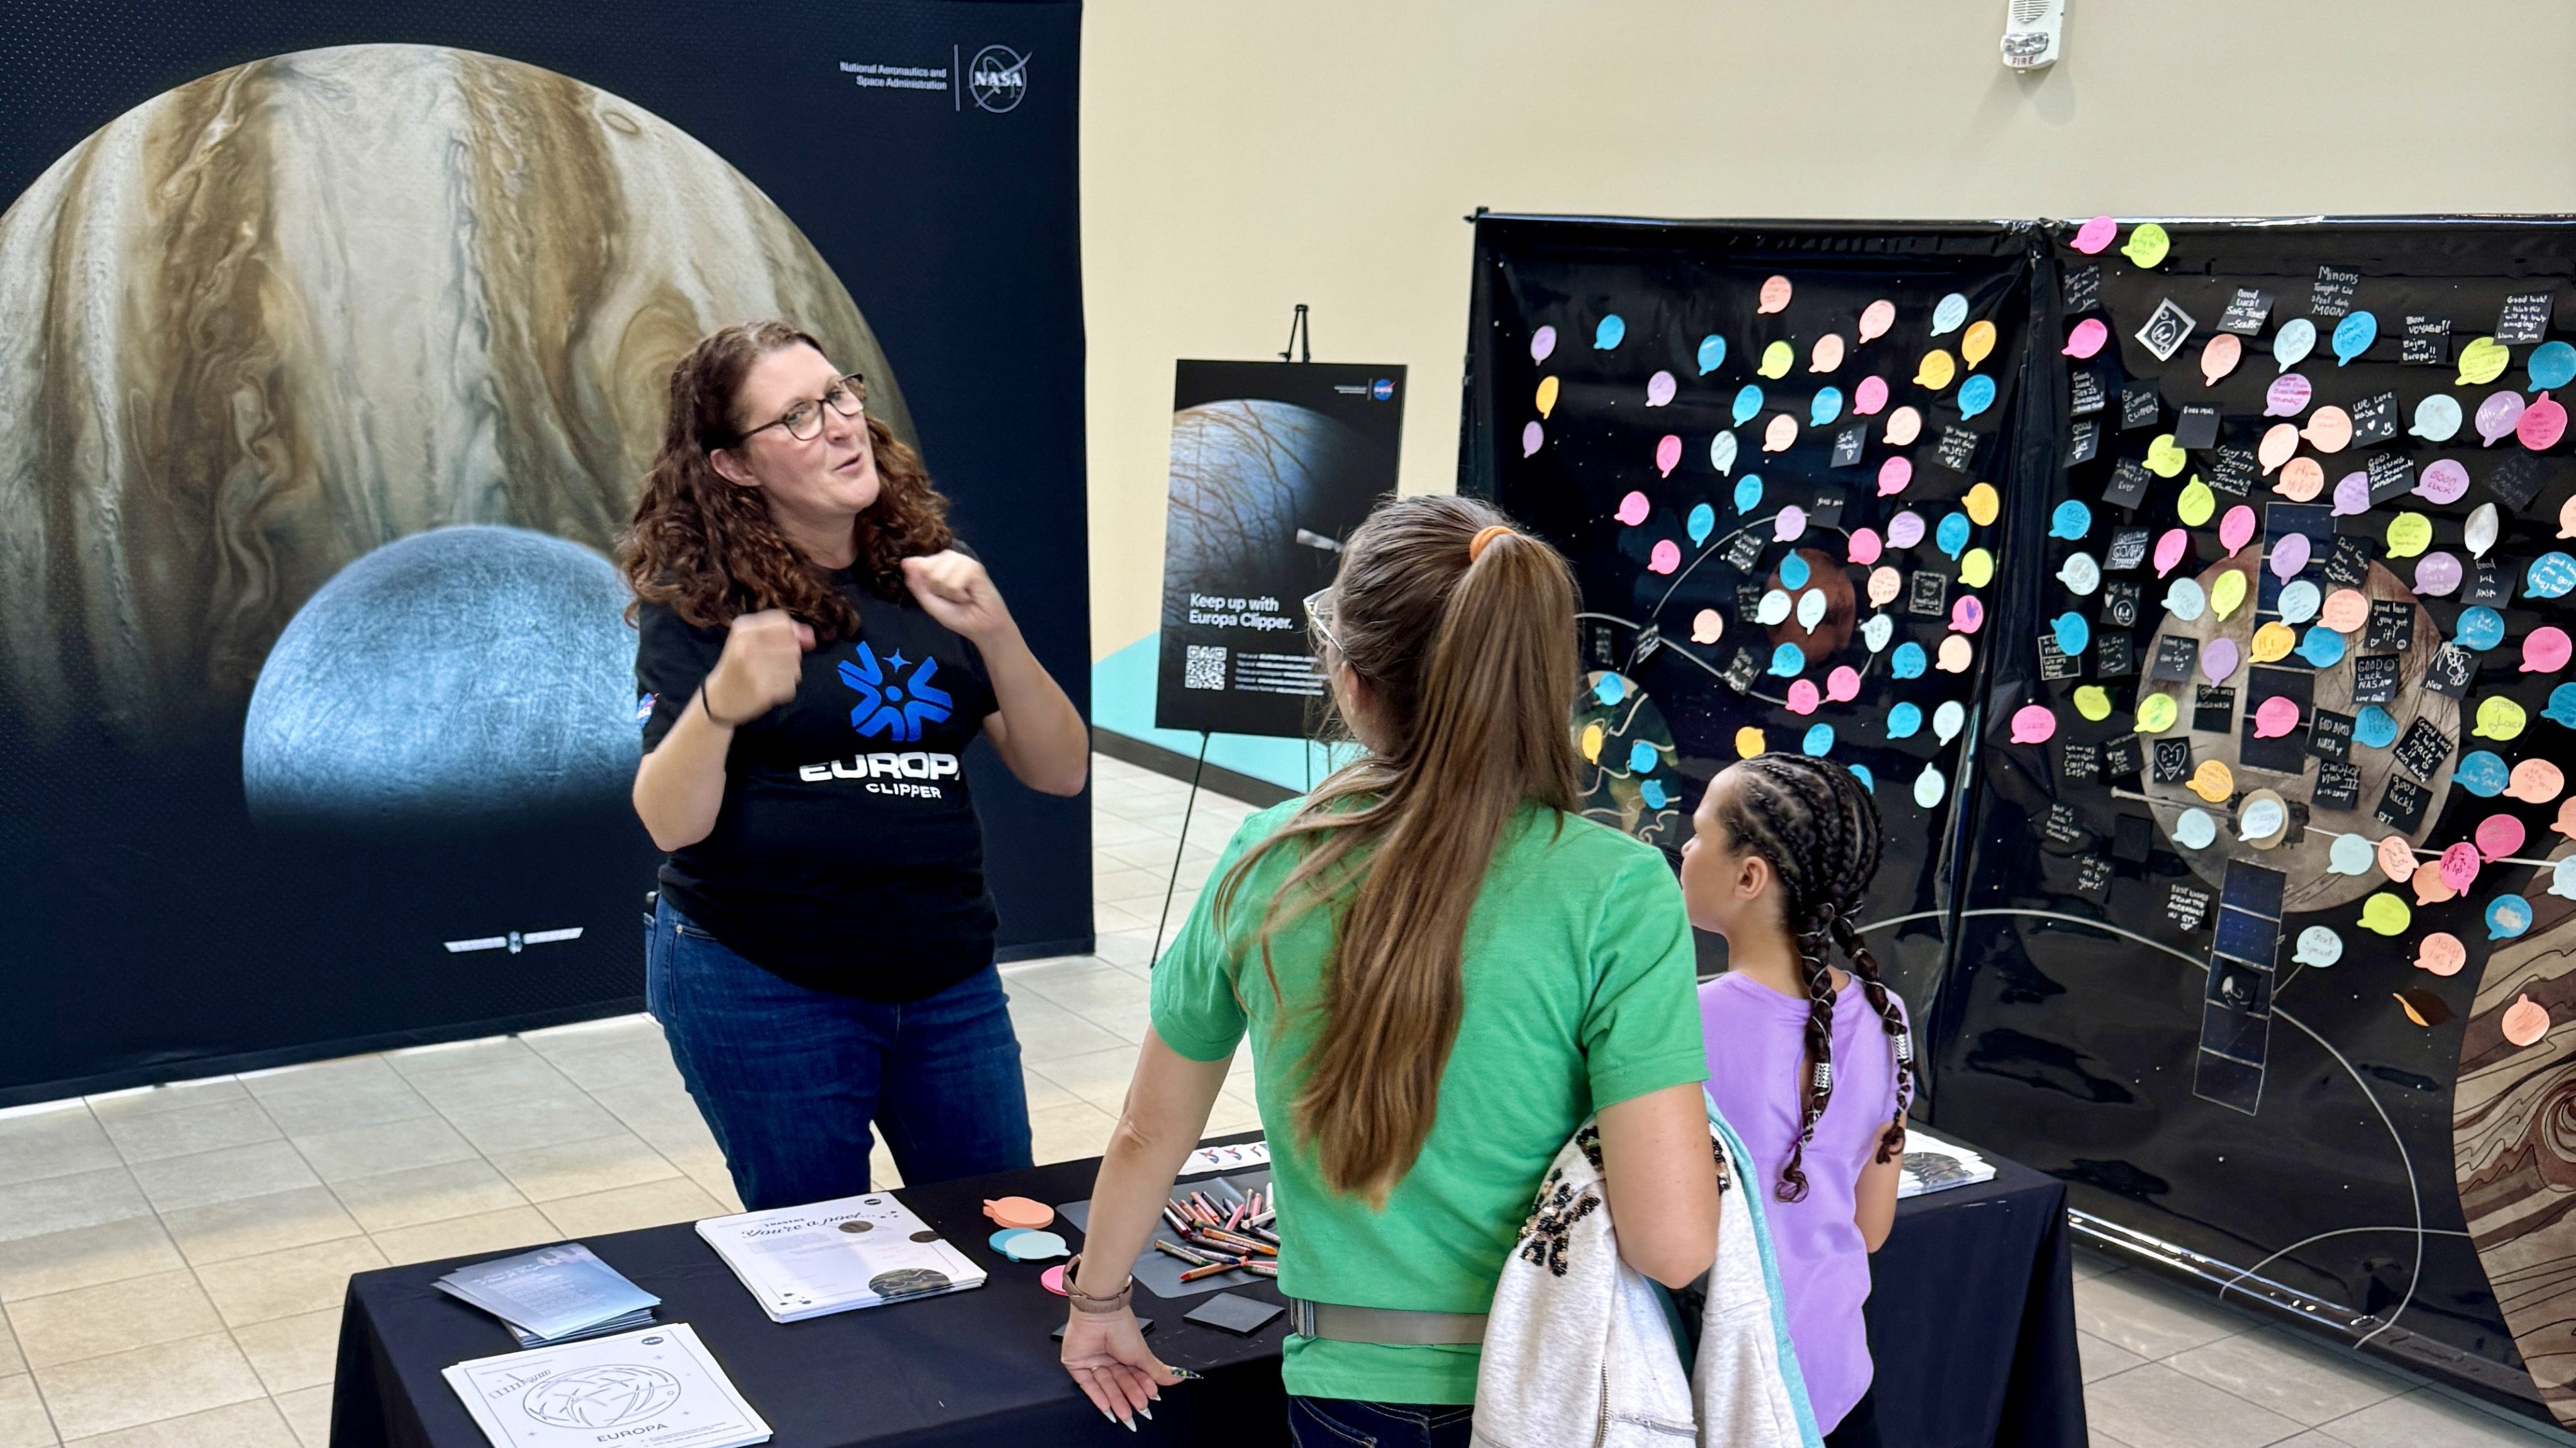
[1476, 545]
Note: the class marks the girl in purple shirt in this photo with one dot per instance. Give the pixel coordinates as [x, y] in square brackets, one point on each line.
[1813, 1075]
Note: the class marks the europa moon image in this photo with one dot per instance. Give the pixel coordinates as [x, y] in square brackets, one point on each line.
[272, 321]
[1248, 476]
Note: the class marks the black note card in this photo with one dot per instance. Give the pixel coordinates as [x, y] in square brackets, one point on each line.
[2391, 628]
[2338, 786]
[2093, 879]
[2246, 312]
[2140, 406]
[1745, 551]
[2197, 427]
[2490, 584]
[1827, 510]
[1957, 450]
[2086, 395]
[2282, 753]
[2083, 442]
[2332, 294]
[2132, 837]
[2172, 760]
[2374, 420]
[2186, 907]
[2080, 288]
[2167, 328]
[2079, 762]
[2516, 479]
[2213, 710]
[2423, 750]
[2348, 562]
[1742, 670]
[2374, 678]
[2129, 483]
[2524, 322]
[2234, 471]
[1748, 602]
[2121, 602]
[2063, 825]
[2175, 654]
[2057, 663]
[2401, 805]
[2115, 655]
[2128, 550]
[1848, 444]
[1927, 594]
[2426, 342]
[2330, 734]
[1243, 1316]
[2392, 475]
[2451, 671]
[2123, 757]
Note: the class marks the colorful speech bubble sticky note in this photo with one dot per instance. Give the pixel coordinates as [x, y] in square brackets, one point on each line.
[1869, 397]
[2147, 245]
[2093, 702]
[2482, 362]
[1664, 557]
[2085, 338]
[2499, 835]
[1827, 354]
[1707, 626]
[2079, 573]
[2481, 772]
[1975, 396]
[1776, 361]
[2536, 781]
[2271, 643]
[2275, 717]
[1633, 509]
[1542, 344]
[1721, 453]
[2095, 235]
[1864, 548]
[2195, 830]
[1904, 720]
[2033, 724]
[1937, 370]
[2497, 416]
[1977, 343]
[1609, 333]
[2329, 430]
[2552, 365]
[2408, 533]
[2318, 946]
[1930, 786]
[2546, 649]
[2165, 457]
[2185, 600]
[1548, 388]
[1876, 318]
[2456, 867]
[2169, 550]
[2226, 593]
[2157, 713]
[2499, 718]
[1885, 583]
[1775, 296]
[2508, 917]
[2551, 575]
[2385, 914]
[2345, 610]
[1712, 353]
[1748, 742]
[2212, 781]
[2525, 1022]
[1948, 314]
[2437, 418]
[1904, 425]
[2292, 344]
[2218, 659]
[1659, 389]
[1668, 454]
[1843, 684]
[2350, 855]
[2396, 858]
[2353, 336]
[2542, 424]
[2220, 356]
[2441, 953]
[1702, 522]
[1780, 433]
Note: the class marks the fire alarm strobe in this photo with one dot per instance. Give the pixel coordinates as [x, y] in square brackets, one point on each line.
[2032, 29]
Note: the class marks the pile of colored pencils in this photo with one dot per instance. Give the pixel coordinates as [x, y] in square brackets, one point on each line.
[1217, 1238]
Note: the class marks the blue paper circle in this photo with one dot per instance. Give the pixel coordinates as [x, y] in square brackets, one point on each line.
[1748, 492]
[2373, 729]
[1610, 689]
[2480, 629]
[1641, 757]
[1819, 741]
[2552, 365]
[2551, 576]
[2071, 520]
[2482, 772]
[1827, 406]
[2507, 917]
[2073, 633]
[1904, 721]
[1907, 662]
[2353, 336]
[1867, 780]
[2562, 706]
[1748, 401]
[1952, 534]
[1712, 353]
[1608, 335]
[1652, 792]
[2322, 647]
[1976, 395]
[1794, 572]
[1788, 661]
[1703, 521]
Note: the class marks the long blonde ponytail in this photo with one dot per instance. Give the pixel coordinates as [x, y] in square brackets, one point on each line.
[1466, 644]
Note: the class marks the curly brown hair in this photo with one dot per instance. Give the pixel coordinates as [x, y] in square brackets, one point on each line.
[708, 549]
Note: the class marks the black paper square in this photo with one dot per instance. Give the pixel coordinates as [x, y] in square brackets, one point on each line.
[1927, 594]
[2234, 471]
[2186, 907]
[2079, 288]
[2451, 671]
[2332, 294]
[2093, 879]
[2166, 329]
[2077, 763]
[1827, 510]
[2516, 479]
[1957, 449]
[2172, 760]
[2490, 584]
[2122, 600]
[1848, 444]
[2063, 825]
[2330, 734]
[2122, 757]
[2374, 420]
[1745, 551]
[2401, 805]
[1742, 670]
[2348, 562]
[2054, 662]
[2426, 342]
[2375, 678]
[2197, 426]
[2140, 405]
[2115, 655]
[2246, 312]
[2213, 710]
[2132, 837]
[2129, 483]
[2392, 475]
[1748, 602]
[2423, 750]
[2128, 549]
[2391, 628]
[2085, 394]
[2338, 786]
[2175, 655]
[2524, 322]
[2083, 442]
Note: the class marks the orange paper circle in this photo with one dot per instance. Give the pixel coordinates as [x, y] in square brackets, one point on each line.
[1018, 1212]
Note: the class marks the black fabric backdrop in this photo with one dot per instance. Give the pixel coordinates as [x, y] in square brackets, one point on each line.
[154, 934]
[2074, 1048]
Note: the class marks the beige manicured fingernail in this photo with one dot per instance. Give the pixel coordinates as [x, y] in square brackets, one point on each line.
[1147, 1410]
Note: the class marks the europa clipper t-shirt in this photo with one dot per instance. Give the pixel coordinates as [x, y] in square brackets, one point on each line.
[846, 857]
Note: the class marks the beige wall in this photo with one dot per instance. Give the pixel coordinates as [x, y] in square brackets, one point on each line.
[1239, 158]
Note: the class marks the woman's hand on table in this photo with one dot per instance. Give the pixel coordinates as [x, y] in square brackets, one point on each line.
[1107, 1356]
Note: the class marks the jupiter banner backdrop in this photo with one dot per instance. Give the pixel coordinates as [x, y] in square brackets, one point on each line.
[333, 346]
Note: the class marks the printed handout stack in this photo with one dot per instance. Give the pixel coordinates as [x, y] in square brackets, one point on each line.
[838, 1256]
[1933, 1165]
[554, 1294]
[658, 1388]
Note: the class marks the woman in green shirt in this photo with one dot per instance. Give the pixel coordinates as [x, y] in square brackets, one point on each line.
[1443, 970]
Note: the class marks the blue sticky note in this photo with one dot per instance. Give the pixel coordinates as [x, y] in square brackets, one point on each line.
[1641, 757]
[1712, 353]
[1613, 328]
[2073, 633]
[1748, 492]
[1652, 792]
[2552, 365]
[1976, 395]
[1794, 572]
[1827, 406]
[1952, 534]
[2562, 706]
[2551, 576]
[1703, 521]
[2071, 520]
[1949, 314]
[1907, 662]
[2353, 336]
[1867, 780]
[2322, 647]
[2507, 916]
[1819, 741]
[1788, 661]
[1610, 689]
[2482, 772]
[1904, 721]
[2373, 729]
[2480, 629]
[1748, 401]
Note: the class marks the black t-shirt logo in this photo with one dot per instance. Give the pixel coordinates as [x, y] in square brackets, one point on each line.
[891, 703]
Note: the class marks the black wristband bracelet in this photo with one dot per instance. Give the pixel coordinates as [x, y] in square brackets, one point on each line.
[710, 711]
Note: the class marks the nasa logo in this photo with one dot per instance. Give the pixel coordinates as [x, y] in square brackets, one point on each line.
[1382, 390]
[997, 78]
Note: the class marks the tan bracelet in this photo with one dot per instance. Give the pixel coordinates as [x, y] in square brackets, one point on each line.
[1085, 1302]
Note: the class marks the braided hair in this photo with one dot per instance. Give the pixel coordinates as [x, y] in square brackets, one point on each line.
[1813, 822]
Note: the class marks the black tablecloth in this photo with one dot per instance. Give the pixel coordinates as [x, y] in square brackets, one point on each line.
[1972, 1323]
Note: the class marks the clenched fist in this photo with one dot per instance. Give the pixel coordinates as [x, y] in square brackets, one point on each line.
[957, 594]
[763, 658]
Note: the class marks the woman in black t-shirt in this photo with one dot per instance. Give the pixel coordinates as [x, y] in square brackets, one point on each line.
[815, 654]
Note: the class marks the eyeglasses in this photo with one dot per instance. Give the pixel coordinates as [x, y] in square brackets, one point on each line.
[804, 421]
[1319, 616]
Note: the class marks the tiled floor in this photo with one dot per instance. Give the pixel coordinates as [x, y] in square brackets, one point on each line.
[172, 1260]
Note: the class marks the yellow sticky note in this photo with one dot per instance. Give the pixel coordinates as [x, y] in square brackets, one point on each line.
[2156, 713]
[2196, 504]
[1937, 371]
[1592, 737]
[1546, 396]
[2272, 641]
[2092, 702]
[1748, 742]
[1984, 504]
[2227, 593]
[2409, 534]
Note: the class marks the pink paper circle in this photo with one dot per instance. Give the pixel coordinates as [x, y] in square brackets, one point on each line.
[1803, 697]
[1893, 476]
[2094, 235]
[2443, 480]
[1870, 395]
[1905, 529]
[1843, 684]
[2087, 337]
[2542, 424]
[1668, 454]
[1633, 509]
[2289, 556]
[1876, 318]
[2218, 659]
[1864, 546]
[2169, 550]
[1967, 613]
[2499, 835]
[2237, 528]
[2546, 650]
[2437, 574]
[2033, 724]
[2275, 717]
[2460, 866]
[1665, 557]
[1904, 425]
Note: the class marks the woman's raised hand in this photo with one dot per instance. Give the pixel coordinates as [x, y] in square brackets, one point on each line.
[764, 657]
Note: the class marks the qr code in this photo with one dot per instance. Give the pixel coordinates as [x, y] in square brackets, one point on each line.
[1203, 667]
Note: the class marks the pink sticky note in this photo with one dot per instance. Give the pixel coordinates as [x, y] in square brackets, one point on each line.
[2567, 518]
[1869, 396]
[1791, 525]
[2545, 650]
[2430, 886]
[2287, 396]
[2275, 717]
[1904, 425]
[2087, 337]
[1843, 684]
[1875, 319]
[1967, 613]
[2441, 953]
[2236, 529]
[2352, 495]
[2397, 858]
[2169, 550]
[1864, 546]
[2301, 479]
[1533, 437]
[2542, 424]
[2279, 442]
[1803, 697]
[1665, 557]
[1893, 475]
[2460, 866]
[2094, 235]
[1668, 454]
[2220, 357]
[1633, 509]
[1779, 433]
[1905, 529]
[2033, 724]
[2289, 556]
[2443, 480]
[1775, 296]
[1827, 354]
[2499, 835]
[2565, 824]
[2437, 574]
[1884, 584]
[2218, 659]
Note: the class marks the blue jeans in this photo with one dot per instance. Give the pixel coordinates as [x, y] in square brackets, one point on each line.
[789, 1079]
[1344, 1423]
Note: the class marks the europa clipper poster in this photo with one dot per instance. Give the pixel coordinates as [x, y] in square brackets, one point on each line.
[1273, 465]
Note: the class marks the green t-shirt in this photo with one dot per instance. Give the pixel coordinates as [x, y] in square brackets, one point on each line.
[1579, 995]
